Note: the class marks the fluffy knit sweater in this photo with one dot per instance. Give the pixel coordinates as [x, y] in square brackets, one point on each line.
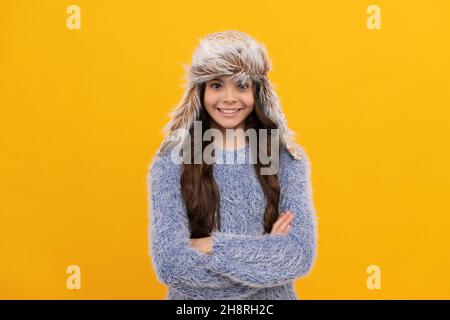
[245, 263]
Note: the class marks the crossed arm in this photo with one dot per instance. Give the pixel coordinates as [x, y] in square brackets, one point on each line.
[235, 264]
[281, 226]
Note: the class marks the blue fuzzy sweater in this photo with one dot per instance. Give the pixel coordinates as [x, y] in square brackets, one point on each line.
[245, 263]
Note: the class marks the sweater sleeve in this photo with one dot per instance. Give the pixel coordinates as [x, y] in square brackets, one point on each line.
[270, 260]
[175, 261]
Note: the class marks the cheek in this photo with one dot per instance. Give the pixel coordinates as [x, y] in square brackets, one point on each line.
[249, 101]
[210, 99]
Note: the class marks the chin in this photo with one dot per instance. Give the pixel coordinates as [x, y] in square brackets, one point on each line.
[229, 124]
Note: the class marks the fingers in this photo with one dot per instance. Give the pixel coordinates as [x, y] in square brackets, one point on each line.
[288, 229]
[279, 228]
[276, 225]
[282, 225]
[285, 224]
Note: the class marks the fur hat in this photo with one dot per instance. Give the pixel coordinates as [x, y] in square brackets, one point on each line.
[236, 54]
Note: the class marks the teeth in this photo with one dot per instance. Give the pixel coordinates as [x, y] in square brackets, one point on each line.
[229, 110]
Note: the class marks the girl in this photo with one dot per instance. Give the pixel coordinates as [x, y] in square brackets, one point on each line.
[221, 231]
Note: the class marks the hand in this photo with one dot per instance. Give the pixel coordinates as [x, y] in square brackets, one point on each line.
[204, 245]
[283, 223]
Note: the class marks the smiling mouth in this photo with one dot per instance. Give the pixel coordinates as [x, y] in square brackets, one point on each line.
[229, 111]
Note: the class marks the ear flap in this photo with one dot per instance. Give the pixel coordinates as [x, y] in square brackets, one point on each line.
[271, 107]
[182, 118]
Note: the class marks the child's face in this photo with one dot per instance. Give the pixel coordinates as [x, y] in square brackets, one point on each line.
[224, 94]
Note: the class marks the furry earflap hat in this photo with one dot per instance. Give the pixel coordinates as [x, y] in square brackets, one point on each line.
[229, 53]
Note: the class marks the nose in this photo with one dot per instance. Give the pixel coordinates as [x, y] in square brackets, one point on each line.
[230, 95]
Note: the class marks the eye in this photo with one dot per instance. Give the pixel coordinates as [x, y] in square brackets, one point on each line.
[243, 86]
[215, 83]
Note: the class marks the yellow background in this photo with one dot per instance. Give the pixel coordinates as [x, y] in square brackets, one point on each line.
[82, 113]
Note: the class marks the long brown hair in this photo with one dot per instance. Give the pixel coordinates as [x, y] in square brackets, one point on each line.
[199, 189]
